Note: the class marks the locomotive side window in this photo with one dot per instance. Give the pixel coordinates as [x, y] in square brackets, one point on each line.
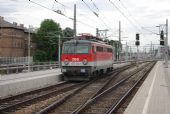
[109, 50]
[99, 49]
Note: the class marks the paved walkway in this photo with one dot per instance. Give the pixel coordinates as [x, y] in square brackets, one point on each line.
[153, 97]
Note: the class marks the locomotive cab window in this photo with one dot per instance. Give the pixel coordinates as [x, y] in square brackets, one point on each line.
[76, 49]
[82, 49]
[69, 49]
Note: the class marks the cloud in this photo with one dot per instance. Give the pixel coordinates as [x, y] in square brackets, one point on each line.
[143, 13]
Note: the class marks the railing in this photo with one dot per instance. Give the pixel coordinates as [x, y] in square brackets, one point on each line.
[17, 68]
[14, 60]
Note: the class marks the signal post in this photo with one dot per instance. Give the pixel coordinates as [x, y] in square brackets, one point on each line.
[137, 43]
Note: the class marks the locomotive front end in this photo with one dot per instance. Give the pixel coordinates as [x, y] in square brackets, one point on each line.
[76, 60]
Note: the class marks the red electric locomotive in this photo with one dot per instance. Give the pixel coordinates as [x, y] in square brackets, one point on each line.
[86, 57]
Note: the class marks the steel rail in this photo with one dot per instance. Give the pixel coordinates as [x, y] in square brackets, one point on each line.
[59, 102]
[90, 101]
[107, 83]
[114, 108]
[39, 97]
[7, 101]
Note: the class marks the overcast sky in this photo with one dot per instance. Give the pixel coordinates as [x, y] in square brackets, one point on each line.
[137, 16]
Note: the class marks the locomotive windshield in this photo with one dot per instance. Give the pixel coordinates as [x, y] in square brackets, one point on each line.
[77, 49]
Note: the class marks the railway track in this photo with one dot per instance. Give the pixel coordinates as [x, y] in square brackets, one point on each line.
[111, 99]
[74, 101]
[8, 104]
[18, 102]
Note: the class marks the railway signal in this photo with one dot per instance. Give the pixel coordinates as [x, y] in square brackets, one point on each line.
[162, 38]
[137, 43]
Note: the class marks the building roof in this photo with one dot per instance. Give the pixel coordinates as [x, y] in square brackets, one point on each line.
[6, 24]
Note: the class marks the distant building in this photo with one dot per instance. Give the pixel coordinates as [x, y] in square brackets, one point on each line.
[14, 39]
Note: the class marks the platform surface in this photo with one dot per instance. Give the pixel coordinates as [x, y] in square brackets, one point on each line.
[9, 77]
[153, 97]
[14, 84]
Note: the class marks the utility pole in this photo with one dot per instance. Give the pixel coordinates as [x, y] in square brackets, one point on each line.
[117, 51]
[166, 45]
[97, 32]
[29, 48]
[126, 52]
[59, 46]
[74, 25]
[119, 40]
[163, 30]
[0, 26]
[151, 50]
[137, 62]
[130, 53]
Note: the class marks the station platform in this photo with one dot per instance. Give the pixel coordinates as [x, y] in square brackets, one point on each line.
[153, 97]
[14, 84]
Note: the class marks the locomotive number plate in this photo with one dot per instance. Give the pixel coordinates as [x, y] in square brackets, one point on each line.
[75, 59]
[75, 63]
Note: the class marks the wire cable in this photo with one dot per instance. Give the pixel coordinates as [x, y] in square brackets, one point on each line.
[56, 11]
[96, 14]
[129, 13]
[124, 15]
[100, 12]
[59, 12]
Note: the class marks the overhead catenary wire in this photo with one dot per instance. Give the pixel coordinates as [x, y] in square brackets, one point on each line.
[88, 17]
[86, 24]
[143, 28]
[80, 15]
[96, 14]
[51, 10]
[130, 14]
[62, 4]
[95, 5]
[58, 12]
[149, 31]
[99, 11]
[124, 15]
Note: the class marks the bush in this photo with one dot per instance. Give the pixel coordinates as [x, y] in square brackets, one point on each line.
[40, 56]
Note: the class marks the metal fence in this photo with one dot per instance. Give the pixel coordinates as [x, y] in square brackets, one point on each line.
[34, 66]
[14, 60]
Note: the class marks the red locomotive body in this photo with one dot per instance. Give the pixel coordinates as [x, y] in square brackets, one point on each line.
[83, 59]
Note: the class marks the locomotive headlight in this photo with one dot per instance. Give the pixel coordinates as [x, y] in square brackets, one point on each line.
[66, 62]
[85, 62]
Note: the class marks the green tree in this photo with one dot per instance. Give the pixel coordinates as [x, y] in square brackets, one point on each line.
[47, 41]
[68, 33]
[115, 44]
